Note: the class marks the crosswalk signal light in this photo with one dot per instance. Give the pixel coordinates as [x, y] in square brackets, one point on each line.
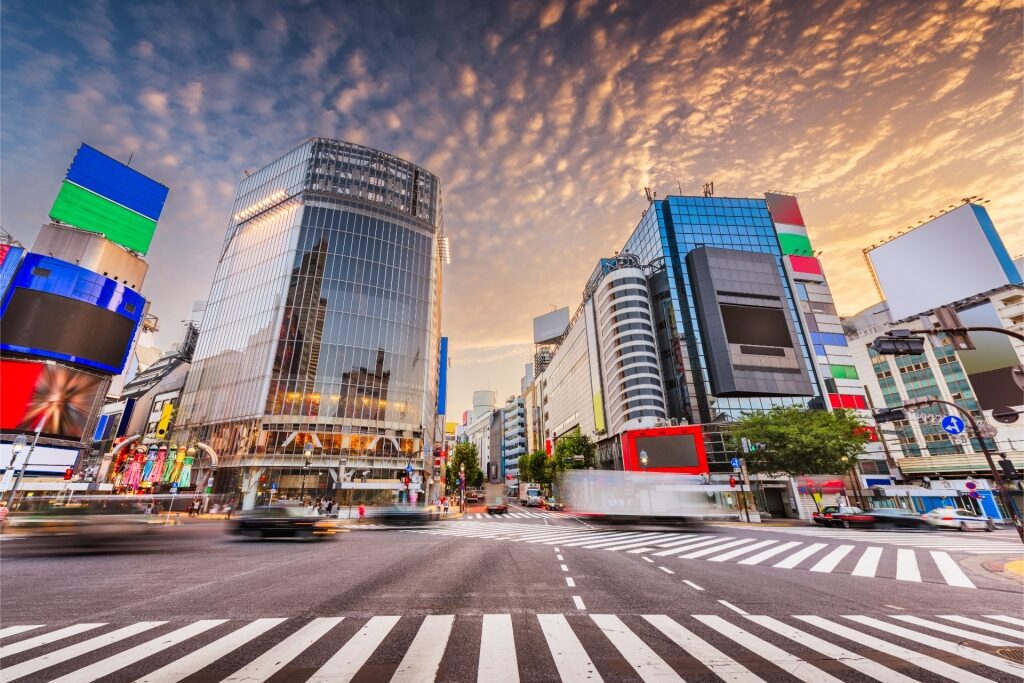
[1009, 471]
[732, 482]
[67, 474]
[898, 343]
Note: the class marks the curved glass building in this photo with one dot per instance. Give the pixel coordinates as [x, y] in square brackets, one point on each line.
[317, 362]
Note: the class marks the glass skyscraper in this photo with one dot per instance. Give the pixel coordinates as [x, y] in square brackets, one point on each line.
[322, 327]
[672, 231]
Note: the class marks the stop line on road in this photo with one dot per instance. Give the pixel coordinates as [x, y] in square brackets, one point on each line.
[655, 647]
[933, 566]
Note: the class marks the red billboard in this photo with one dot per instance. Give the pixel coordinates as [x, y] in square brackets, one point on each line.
[668, 449]
[62, 397]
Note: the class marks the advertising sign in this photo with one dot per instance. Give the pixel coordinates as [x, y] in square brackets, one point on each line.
[32, 390]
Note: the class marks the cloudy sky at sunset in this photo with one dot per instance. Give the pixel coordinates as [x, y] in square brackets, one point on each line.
[544, 120]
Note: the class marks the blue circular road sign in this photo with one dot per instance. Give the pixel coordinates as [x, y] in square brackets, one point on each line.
[953, 425]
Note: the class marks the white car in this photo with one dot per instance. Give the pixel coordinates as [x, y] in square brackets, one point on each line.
[958, 518]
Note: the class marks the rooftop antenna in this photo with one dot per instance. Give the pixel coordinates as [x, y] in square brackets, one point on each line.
[709, 189]
[680, 186]
[130, 157]
[246, 172]
[651, 196]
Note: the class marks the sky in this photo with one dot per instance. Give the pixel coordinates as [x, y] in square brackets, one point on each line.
[544, 120]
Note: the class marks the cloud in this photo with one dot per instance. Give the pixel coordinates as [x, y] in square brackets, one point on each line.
[552, 13]
[143, 49]
[240, 60]
[191, 96]
[155, 101]
[467, 81]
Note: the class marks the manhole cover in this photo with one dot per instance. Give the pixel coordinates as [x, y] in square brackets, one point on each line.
[1014, 654]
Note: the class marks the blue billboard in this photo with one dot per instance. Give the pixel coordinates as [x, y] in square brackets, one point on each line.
[55, 309]
[93, 170]
[442, 378]
[10, 257]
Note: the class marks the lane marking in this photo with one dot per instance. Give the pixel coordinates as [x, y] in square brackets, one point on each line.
[571, 660]
[347, 661]
[648, 559]
[799, 556]
[559, 557]
[1014, 632]
[15, 630]
[733, 607]
[666, 570]
[716, 548]
[953, 630]
[564, 567]
[830, 561]
[578, 601]
[674, 551]
[423, 658]
[906, 566]
[206, 655]
[795, 666]
[107, 666]
[770, 553]
[645, 662]
[277, 657]
[707, 654]
[867, 565]
[740, 551]
[569, 582]
[951, 571]
[1008, 620]
[691, 584]
[497, 651]
[46, 638]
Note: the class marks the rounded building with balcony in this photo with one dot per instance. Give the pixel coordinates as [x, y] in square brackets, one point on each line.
[318, 356]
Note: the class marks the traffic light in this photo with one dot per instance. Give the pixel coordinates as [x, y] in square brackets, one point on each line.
[69, 471]
[898, 343]
[732, 482]
[889, 415]
[1009, 471]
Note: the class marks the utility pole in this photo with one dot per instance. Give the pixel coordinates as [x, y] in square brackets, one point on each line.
[1000, 483]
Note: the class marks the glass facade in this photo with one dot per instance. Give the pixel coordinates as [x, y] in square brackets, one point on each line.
[323, 320]
[669, 230]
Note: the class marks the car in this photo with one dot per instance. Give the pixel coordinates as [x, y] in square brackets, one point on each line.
[404, 515]
[959, 518]
[881, 518]
[551, 503]
[497, 505]
[472, 496]
[824, 516]
[280, 521]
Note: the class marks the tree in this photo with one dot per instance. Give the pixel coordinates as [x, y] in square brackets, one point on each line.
[467, 455]
[795, 441]
[531, 466]
[573, 451]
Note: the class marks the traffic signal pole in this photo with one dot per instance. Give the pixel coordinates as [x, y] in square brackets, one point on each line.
[1004, 495]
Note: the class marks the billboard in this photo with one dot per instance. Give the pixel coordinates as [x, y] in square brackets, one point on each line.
[100, 194]
[45, 460]
[993, 368]
[62, 398]
[550, 326]
[668, 449]
[955, 256]
[10, 257]
[442, 378]
[58, 310]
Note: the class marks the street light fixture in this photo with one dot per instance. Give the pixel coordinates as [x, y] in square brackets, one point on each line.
[643, 460]
[307, 452]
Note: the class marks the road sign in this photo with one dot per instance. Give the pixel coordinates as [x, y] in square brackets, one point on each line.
[273, 486]
[970, 486]
[953, 425]
[408, 468]
[974, 494]
[174, 489]
[735, 462]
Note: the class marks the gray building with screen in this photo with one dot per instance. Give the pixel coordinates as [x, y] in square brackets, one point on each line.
[322, 329]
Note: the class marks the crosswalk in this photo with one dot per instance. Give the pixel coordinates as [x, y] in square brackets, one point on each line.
[977, 544]
[901, 564]
[513, 647]
[516, 515]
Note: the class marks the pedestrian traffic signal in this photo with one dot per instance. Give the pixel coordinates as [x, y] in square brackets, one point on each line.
[732, 482]
[898, 343]
[889, 415]
[1009, 471]
[68, 472]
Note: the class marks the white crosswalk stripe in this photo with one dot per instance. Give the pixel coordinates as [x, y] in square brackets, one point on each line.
[15, 630]
[46, 638]
[846, 559]
[983, 543]
[654, 647]
[977, 623]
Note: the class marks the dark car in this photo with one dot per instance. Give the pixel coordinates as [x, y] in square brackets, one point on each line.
[279, 521]
[884, 518]
[824, 517]
[404, 515]
[497, 505]
[552, 503]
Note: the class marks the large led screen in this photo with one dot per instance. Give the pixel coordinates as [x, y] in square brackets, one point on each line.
[10, 257]
[68, 329]
[86, 210]
[955, 256]
[993, 368]
[678, 450]
[61, 397]
[755, 326]
[93, 170]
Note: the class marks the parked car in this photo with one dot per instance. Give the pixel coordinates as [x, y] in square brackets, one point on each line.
[958, 518]
[497, 505]
[824, 517]
[882, 518]
[551, 503]
[472, 496]
[279, 521]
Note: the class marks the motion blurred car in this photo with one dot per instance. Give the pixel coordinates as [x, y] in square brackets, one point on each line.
[497, 505]
[824, 517]
[404, 515]
[109, 524]
[958, 518]
[883, 518]
[551, 503]
[279, 521]
[472, 496]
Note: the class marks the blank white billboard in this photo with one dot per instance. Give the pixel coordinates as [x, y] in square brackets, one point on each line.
[550, 325]
[952, 257]
[45, 459]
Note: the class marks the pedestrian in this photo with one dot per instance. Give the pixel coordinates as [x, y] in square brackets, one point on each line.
[444, 502]
[330, 506]
[362, 512]
[3, 516]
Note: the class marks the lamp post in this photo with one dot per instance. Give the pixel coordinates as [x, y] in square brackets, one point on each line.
[16, 448]
[307, 451]
[28, 457]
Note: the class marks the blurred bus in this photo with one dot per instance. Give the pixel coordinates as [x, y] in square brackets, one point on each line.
[616, 496]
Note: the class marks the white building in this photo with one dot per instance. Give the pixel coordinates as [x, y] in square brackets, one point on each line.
[513, 438]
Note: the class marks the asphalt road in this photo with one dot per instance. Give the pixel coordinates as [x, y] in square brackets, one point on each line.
[523, 567]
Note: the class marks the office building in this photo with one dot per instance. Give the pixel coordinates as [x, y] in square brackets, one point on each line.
[513, 438]
[322, 329]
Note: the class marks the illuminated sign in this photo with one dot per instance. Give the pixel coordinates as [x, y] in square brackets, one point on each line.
[100, 194]
[62, 398]
[10, 257]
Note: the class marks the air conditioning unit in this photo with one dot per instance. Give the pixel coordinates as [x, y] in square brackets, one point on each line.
[674, 422]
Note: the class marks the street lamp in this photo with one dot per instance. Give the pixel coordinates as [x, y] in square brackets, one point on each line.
[307, 452]
[643, 460]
